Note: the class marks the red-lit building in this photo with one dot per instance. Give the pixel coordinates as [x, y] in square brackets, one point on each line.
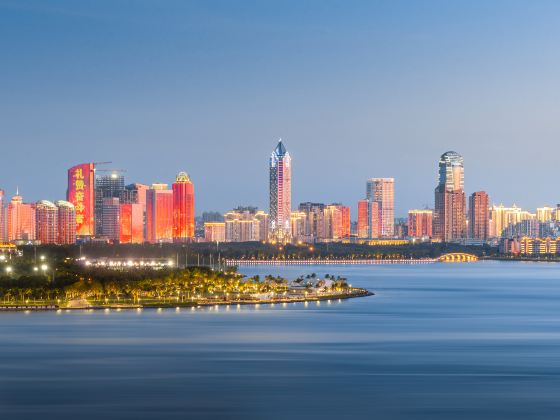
[21, 220]
[374, 220]
[337, 221]
[80, 192]
[420, 223]
[183, 208]
[46, 219]
[66, 232]
[479, 215]
[363, 218]
[159, 214]
[132, 223]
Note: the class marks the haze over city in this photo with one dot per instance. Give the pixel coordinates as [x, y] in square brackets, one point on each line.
[358, 90]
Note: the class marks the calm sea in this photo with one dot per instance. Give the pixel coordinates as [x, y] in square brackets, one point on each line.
[463, 341]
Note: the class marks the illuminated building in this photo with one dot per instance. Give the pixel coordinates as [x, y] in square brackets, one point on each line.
[3, 219]
[298, 221]
[538, 246]
[131, 221]
[502, 217]
[21, 220]
[449, 222]
[337, 221]
[280, 186]
[245, 224]
[545, 214]
[66, 231]
[382, 191]
[420, 223]
[110, 218]
[215, 231]
[46, 219]
[183, 208]
[159, 214]
[374, 220]
[315, 221]
[81, 193]
[557, 213]
[479, 216]
[106, 186]
[135, 194]
[363, 221]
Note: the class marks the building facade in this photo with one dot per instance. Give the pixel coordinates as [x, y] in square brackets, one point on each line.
[81, 193]
[159, 214]
[215, 231]
[280, 193]
[21, 220]
[420, 223]
[106, 186]
[66, 231]
[479, 216]
[46, 219]
[382, 192]
[183, 208]
[449, 222]
[131, 219]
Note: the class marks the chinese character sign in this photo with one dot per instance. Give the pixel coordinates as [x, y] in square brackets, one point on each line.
[81, 184]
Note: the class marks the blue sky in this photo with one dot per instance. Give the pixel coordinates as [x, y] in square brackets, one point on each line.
[355, 89]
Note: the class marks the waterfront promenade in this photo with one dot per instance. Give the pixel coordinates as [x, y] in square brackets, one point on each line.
[232, 262]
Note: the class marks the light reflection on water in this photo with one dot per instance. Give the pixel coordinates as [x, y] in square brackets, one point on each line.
[435, 342]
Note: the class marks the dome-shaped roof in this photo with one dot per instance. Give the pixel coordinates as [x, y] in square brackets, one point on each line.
[46, 203]
[182, 177]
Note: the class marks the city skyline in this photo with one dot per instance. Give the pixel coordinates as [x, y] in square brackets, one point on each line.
[476, 78]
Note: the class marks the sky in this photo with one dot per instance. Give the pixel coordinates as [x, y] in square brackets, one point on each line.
[356, 89]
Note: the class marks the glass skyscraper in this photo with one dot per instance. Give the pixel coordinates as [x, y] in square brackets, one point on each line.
[280, 184]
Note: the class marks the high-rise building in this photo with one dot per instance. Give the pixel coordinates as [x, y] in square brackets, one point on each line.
[382, 191]
[337, 221]
[3, 219]
[131, 220]
[159, 214]
[374, 217]
[81, 193]
[450, 202]
[110, 218]
[479, 216]
[363, 221]
[215, 231]
[502, 217]
[315, 221]
[245, 224]
[183, 208]
[106, 186]
[298, 225]
[46, 219]
[66, 231]
[420, 223]
[546, 214]
[280, 186]
[21, 220]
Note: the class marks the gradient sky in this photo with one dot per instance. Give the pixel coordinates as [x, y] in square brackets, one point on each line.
[355, 90]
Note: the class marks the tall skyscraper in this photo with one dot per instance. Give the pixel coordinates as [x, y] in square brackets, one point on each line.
[479, 215]
[66, 232]
[46, 219]
[159, 214]
[183, 208]
[450, 200]
[3, 219]
[21, 220]
[315, 224]
[106, 186]
[110, 218]
[280, 186]
[81, 193]
[420, 223]
[382, 191]
[363, 221]
[131, 223]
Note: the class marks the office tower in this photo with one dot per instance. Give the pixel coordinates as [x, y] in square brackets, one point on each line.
[106, 186]
[81, 193]
[374, 216]
[363, 221]
[215, 231]
[110, 218]
[420, 223]
[450, 202]
[66, 231]
[46, 219]
[382, 191]
[131, 223]
[21, 220]
[183, 208]
[479, 216]
[159, 214]
[280, 187]
[337, 221]
[315, 225]
[135, 194]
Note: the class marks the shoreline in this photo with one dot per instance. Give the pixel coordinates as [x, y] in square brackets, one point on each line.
[356, 293]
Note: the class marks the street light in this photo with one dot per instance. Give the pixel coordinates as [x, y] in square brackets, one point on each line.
[8, 269]
[44, 267]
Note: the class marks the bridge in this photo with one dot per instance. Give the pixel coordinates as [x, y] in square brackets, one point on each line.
[456, 257]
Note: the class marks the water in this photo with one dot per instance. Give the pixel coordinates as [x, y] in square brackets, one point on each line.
[437, 341]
